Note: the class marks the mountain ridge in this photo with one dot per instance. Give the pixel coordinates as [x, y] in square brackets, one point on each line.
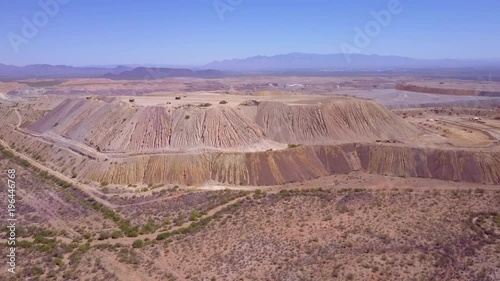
[284, 63]
[338, 61]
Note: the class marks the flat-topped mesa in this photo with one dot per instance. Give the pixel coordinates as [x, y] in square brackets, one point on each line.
[116, 127]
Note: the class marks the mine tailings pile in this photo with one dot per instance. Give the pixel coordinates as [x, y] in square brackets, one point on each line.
[335, 138]
[306, 162]
[118, 127]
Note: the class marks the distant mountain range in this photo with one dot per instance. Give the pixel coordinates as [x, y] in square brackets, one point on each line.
[147, 73]
[10, 72]
[299, 63]
[54, 71]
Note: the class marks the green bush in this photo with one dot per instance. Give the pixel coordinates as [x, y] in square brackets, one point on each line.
[150, 227]
[103, 236]
[138, 244]
[132, 232]
[163, 236]
[24, 163]
[194, 215]
[284, 192]
[116, 234]
[59, 262]
[37, 271]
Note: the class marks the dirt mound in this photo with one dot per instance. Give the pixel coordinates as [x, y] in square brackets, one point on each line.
[261, 168]
[267, 167]
[285, 166]
[345, 120]
[444, 164]
[121, 127]
[118, 127]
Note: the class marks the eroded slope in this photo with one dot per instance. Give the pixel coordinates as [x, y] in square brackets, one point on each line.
[120, 127]
[345, 120]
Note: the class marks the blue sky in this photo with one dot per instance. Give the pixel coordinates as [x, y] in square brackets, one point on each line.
[184, 32]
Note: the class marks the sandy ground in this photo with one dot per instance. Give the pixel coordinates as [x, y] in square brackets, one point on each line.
[466, 130]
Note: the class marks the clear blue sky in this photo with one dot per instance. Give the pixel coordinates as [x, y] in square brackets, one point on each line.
[190, 32]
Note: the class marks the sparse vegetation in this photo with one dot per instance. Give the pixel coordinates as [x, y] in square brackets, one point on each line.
[138, 244]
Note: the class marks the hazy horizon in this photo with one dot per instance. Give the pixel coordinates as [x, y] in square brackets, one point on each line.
[179, 33]
[112, 65]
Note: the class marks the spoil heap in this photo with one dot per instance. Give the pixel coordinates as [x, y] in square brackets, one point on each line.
[122, 128]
